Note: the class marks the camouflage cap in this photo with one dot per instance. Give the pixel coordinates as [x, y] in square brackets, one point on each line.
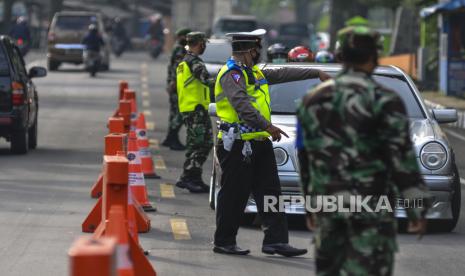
[346, 36]
[194, 37]
[183, 31]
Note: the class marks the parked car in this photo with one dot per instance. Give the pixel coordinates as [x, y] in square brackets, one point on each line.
[65, 35]
[434, 153]
[19, 102]
[232, 24]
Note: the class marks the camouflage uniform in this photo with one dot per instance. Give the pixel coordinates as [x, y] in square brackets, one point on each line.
[199, 130]
[353, 139]
[175, 118]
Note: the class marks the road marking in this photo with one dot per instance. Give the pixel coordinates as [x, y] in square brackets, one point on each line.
[144, 86]
[179, 229]
[167, 191]
[145, 94]
[145, 103]
[154, 143]
[150, 125]
[143, 66]
[143, 79]
[159, 162]
[455, 134]
[147, 113]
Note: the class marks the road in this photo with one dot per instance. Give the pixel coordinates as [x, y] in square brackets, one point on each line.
[44, 196]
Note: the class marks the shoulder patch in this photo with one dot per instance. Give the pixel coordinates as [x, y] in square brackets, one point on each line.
[236, 77]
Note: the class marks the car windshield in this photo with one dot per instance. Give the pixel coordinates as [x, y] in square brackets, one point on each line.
[217, 53]
[284, 96]
[4, 67]
[229, 26]
[77, 23]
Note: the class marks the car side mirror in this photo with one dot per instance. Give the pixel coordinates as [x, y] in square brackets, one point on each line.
[445, 116]
[37, 72]
[212, 110]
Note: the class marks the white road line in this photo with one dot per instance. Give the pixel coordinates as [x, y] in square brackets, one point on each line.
[455, 134]
[462, 181]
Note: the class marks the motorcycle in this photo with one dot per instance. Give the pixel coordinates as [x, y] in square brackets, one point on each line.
[92, 60]
[155, 47]
[23, 46]
[118, 45]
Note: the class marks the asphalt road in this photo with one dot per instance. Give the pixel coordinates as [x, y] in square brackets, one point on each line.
[44, 196]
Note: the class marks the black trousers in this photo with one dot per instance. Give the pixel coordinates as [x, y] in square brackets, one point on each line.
[240, 178]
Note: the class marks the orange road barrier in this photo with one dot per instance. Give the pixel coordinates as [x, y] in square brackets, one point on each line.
[113, 144]
[116, 125]
[130, 95]
[116, 144]
[144, 148]
[123, 85]
[136, 176]
[93, 257]
[130, 257]
[124, 111]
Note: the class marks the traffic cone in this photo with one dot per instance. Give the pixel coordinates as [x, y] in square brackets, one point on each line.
[136, 176]
[130, 95]
[144, 149]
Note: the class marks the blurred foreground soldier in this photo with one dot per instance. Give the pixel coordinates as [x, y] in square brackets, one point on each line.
[193, 86]
[277, 53]
[353, 140]
[244, 149]
[300, 54]
[175, 118]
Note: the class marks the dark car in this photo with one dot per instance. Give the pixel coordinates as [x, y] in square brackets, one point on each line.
[19, 103]
[293, 34]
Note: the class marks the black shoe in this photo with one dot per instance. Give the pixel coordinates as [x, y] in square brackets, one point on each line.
[230, 249]
[168, 140]
[283, 249]
[191, 186]
[176, 145]
[201, 184]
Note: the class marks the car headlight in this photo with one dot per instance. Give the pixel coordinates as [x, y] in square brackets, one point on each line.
[281, 156]
[433, 156]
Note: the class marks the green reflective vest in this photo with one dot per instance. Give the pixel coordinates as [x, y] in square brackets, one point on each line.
[259, 91]
[191, 92]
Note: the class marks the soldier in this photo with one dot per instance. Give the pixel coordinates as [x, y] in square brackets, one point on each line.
[193, 85]
[244, 150]
[175, 118]
[353, 140]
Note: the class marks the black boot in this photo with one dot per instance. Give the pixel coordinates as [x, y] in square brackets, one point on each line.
[168, 140]
[176, 144]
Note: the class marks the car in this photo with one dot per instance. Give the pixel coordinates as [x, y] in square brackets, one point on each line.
[19, 101]
[65, 35]
[293, 34]
[232, 24]
[216, 54]
[434, 153]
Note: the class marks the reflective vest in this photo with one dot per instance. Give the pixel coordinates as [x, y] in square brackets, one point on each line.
[191, 92]
[258, 90]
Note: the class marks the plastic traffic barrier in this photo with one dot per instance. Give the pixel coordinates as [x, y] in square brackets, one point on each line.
[93, 257]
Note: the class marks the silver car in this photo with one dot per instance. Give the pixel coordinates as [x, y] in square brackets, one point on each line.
[434, 153]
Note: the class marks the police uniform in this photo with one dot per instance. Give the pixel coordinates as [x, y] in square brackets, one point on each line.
[193, 85]
[353, 140]
[248, 164]
[175, 118]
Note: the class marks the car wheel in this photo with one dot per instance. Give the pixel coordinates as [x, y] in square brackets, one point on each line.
[33, 131]
[52, 65]
[20, 141]
[455, 202]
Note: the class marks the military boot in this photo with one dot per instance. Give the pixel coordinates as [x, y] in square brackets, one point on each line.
[168, 140]
[176, 144]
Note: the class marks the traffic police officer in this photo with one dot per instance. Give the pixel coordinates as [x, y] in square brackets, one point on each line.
[175, 118]
[193, 85]
[244, 151]
[353, 140]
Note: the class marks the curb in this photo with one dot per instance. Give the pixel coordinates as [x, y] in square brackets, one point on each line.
[460, 113]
